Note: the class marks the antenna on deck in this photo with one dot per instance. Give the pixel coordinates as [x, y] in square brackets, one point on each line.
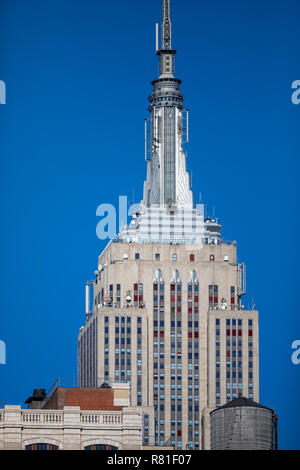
[187, 126]
[157, 36]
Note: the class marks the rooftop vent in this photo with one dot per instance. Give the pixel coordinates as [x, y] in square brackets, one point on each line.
[105, 385]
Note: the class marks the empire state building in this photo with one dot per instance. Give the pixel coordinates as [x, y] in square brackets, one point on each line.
[167, 315]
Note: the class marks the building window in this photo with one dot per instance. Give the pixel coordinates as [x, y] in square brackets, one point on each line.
[250, 355]
[157, 257]
[100, 447]
[193, 357]
[158, 349]
[232, 297]
[139, 361]
[212, 258]
[111, 295]
[174, 257]
[41, 447]
[118, 298]
[137, 256]
[213, 297]
[192, 257]
[106, 354]
[176, 354]
[138, 295]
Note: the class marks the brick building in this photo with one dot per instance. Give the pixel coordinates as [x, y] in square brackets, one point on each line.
[76, 419]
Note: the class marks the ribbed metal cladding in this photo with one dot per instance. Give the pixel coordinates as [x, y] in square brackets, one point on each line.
[241, 428]
[169, 156]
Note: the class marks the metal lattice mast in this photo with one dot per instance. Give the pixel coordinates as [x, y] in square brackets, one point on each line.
[166, 28]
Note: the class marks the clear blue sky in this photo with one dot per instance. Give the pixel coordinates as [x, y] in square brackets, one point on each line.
[78, 76]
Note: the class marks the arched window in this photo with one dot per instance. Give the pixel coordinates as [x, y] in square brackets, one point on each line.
[193, 276]
[41, 446]
[100, 447]
[176, 277]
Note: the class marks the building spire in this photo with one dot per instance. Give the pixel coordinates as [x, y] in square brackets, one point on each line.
[166, 28]
[166, 52]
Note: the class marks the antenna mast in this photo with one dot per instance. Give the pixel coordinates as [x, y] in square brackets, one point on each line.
[166, 28]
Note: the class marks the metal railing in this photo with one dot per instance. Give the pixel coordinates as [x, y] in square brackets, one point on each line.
[66, 382]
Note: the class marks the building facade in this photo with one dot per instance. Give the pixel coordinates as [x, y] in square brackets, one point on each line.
[73, 418]
[70, 429]
[167, 315]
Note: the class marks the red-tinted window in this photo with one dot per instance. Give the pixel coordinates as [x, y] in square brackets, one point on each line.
[192, 257]
[232, 295]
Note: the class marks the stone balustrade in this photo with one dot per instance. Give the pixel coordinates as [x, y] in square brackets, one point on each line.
[70, 428]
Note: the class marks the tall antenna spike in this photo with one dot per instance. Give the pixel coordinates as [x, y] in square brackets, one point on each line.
[166, 28]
